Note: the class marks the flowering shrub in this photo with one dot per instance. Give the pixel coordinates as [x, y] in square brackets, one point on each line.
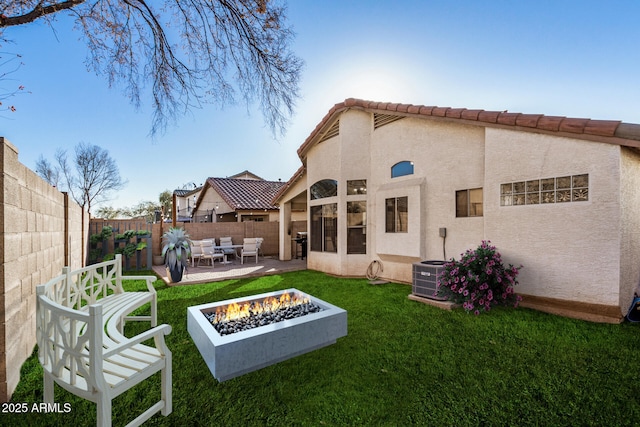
[479, 280]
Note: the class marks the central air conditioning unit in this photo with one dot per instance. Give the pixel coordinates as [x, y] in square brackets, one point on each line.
[425, 279]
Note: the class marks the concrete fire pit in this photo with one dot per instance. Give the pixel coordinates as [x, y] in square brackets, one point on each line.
[229, 356]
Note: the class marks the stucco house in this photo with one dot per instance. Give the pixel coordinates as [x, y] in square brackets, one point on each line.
[241, 197]
[185, 202]
[400, 183]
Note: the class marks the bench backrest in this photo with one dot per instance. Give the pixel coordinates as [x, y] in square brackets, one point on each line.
[69, 341]
[87, 285]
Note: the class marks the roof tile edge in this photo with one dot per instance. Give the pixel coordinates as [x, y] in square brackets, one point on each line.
[532, 122]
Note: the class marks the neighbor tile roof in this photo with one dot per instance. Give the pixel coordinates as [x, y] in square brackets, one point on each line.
[243, 194]
[184, 193]
[610, 131]
[296, 176]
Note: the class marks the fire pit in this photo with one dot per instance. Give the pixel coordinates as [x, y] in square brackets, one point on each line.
[242, 335]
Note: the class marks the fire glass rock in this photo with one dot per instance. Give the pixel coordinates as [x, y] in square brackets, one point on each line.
[225, 327]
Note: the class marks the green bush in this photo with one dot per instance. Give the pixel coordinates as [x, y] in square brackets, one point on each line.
[479, 280]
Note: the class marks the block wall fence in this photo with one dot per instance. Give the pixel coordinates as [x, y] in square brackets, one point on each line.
[41, 231]
[269, 231]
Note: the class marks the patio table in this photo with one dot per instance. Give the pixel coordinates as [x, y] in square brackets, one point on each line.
[225, 253]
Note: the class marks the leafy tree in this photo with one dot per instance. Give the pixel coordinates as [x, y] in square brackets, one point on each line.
[107, 212]
[212, 50]
[166, 203]
[91, 176]
[145, 209]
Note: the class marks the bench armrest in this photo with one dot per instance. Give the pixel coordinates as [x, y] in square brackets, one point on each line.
[148, 279]
[158, 333]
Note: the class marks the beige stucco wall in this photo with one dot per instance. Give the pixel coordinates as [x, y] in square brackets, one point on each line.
[578, 251]
[629, 226]
[446, 157]
[212, 200]
[344, 157]
[570, 251]
[185, 204]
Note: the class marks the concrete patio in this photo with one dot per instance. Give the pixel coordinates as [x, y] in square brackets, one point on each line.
[204, 273]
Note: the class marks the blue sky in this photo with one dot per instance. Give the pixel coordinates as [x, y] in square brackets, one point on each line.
[568, 58]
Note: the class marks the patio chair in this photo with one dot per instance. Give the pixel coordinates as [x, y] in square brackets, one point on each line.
[208, 250]
[259, 241]
[226, 245]
[249, 248]
[196, 252]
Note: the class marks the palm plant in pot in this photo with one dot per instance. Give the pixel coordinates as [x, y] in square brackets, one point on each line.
[176, 251]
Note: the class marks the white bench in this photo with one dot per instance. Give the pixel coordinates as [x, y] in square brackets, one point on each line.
[81, 342]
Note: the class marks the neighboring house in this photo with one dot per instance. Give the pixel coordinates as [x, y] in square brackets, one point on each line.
[558, 195]
[242, 197]
[185, 203]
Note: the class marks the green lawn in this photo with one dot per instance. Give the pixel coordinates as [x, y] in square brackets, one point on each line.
[402, 363]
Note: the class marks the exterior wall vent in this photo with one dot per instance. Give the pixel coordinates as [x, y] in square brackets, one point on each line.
[380, 120]
[334, 130]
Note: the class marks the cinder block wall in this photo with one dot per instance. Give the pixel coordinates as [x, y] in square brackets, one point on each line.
[236, 230]
[40, 230]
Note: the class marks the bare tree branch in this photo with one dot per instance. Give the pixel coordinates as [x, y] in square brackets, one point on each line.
[47, 171]
[185, 53]
[37, 10]
[90, 178]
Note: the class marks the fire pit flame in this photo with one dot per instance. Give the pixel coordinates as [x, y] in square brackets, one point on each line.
[265, 310]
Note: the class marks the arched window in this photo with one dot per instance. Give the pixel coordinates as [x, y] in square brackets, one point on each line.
[324, 188]
[401, 169]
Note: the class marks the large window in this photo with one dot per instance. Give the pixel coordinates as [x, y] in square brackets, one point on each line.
[324, 188]
[469, 203]
[401, 169]
[357, 227]
[324, 228]
[396, 214]
[357, 186]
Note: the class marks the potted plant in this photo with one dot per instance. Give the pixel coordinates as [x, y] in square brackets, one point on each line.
[176, 252]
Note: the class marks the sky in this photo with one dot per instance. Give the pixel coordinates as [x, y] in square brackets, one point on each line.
[555, 57]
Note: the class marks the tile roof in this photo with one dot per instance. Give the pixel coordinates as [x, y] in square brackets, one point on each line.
[246, 175]
[184, 193]
[296, 176]
[244, 194]
[610, 131]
